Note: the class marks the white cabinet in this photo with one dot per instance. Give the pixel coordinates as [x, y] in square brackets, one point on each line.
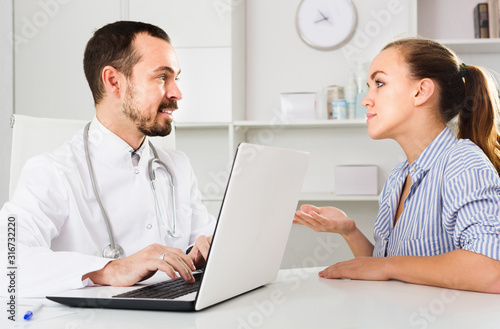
[205, 82]
[202, 39]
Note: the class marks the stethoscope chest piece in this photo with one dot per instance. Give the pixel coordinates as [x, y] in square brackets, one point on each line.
[116, 253]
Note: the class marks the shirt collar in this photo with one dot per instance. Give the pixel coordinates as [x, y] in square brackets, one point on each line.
[109, 138]
[433, 151]
[99, 134]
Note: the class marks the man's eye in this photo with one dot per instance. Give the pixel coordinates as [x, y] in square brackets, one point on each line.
[177, 78]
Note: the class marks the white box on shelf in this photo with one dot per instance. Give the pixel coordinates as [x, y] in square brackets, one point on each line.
[356, 180]
[298, 106]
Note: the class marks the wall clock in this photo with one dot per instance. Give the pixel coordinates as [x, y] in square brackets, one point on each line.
[326, 24]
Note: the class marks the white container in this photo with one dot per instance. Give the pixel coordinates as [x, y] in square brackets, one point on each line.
[356, 180]
[333, 93]
[298, 106]
[339, 109]
[361, 79]
[350, 93]
[321, 104]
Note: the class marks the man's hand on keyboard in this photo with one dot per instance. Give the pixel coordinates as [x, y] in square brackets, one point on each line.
[199, 252]
[146, 262]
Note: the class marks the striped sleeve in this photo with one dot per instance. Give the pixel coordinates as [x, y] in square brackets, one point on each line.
[474, 203]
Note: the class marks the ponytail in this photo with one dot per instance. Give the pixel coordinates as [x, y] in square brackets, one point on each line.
[477, 120]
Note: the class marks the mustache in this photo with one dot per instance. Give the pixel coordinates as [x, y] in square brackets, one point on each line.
[168, 105]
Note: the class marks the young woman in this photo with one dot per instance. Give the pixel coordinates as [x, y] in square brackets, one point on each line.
[439, 217]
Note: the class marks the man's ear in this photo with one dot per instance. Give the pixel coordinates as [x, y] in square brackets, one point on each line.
[112, 80]
[425, 90]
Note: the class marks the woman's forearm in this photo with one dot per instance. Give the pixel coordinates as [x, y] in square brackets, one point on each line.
[458, 269]
[359, 243]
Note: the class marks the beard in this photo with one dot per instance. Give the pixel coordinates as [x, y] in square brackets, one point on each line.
[147, 123]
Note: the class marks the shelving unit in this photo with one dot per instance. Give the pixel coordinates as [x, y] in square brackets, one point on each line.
[238, 132]
[473, 46]
[264, 124]
[301, 124]
[456, 33]
[303, 135]
[336, 135]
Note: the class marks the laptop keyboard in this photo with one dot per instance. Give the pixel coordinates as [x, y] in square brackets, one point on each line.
[165, 290]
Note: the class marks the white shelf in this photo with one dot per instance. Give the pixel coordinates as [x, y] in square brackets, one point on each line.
[335, 197]
[201, 125]
[301, 124]
[313, 197]
[271, 124]
[473, 46]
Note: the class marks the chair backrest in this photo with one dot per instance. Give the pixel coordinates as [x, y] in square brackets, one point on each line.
[32, 136]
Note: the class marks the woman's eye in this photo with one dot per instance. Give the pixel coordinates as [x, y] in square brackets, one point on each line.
[379, 84]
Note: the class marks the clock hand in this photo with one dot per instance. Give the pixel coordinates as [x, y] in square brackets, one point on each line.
[322, 15]
[321, 20]
[325, 18]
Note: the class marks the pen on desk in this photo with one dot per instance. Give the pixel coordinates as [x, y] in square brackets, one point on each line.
[29, 314]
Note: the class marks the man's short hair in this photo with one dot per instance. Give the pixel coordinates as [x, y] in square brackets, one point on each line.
[112, 45]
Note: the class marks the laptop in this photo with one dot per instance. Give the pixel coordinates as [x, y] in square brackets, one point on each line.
[249, 239]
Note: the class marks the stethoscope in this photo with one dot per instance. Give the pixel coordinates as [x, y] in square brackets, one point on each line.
[114, 250]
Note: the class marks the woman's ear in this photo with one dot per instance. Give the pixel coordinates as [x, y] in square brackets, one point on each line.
[111, 79]
[425, 90]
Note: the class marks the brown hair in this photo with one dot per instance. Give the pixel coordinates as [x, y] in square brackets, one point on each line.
[464, 90]
[112, 45]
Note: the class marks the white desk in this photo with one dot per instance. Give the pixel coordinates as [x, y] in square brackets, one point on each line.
[300, 299]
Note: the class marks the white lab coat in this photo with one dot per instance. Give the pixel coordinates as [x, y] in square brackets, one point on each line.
[60, 230]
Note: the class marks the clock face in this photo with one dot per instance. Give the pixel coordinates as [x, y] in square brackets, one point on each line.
[326, 24]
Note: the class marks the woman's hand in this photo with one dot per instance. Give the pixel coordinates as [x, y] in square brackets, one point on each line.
[324, 219]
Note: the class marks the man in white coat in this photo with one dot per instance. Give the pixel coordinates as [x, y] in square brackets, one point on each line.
[132, 71]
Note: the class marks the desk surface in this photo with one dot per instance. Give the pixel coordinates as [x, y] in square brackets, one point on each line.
[300, 299]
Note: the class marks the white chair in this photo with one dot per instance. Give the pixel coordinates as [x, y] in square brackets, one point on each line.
[33, 136]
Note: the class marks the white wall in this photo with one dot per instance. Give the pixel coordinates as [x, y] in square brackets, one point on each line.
[51, 38]
[279, 61]
[6, 95]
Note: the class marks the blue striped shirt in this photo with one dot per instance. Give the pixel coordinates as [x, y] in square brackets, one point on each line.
[453, 203]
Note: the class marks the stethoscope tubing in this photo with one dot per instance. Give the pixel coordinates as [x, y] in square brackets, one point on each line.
[94, 186]
[113, 250]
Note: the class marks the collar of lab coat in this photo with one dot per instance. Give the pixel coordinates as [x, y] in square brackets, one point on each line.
[107, 146]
